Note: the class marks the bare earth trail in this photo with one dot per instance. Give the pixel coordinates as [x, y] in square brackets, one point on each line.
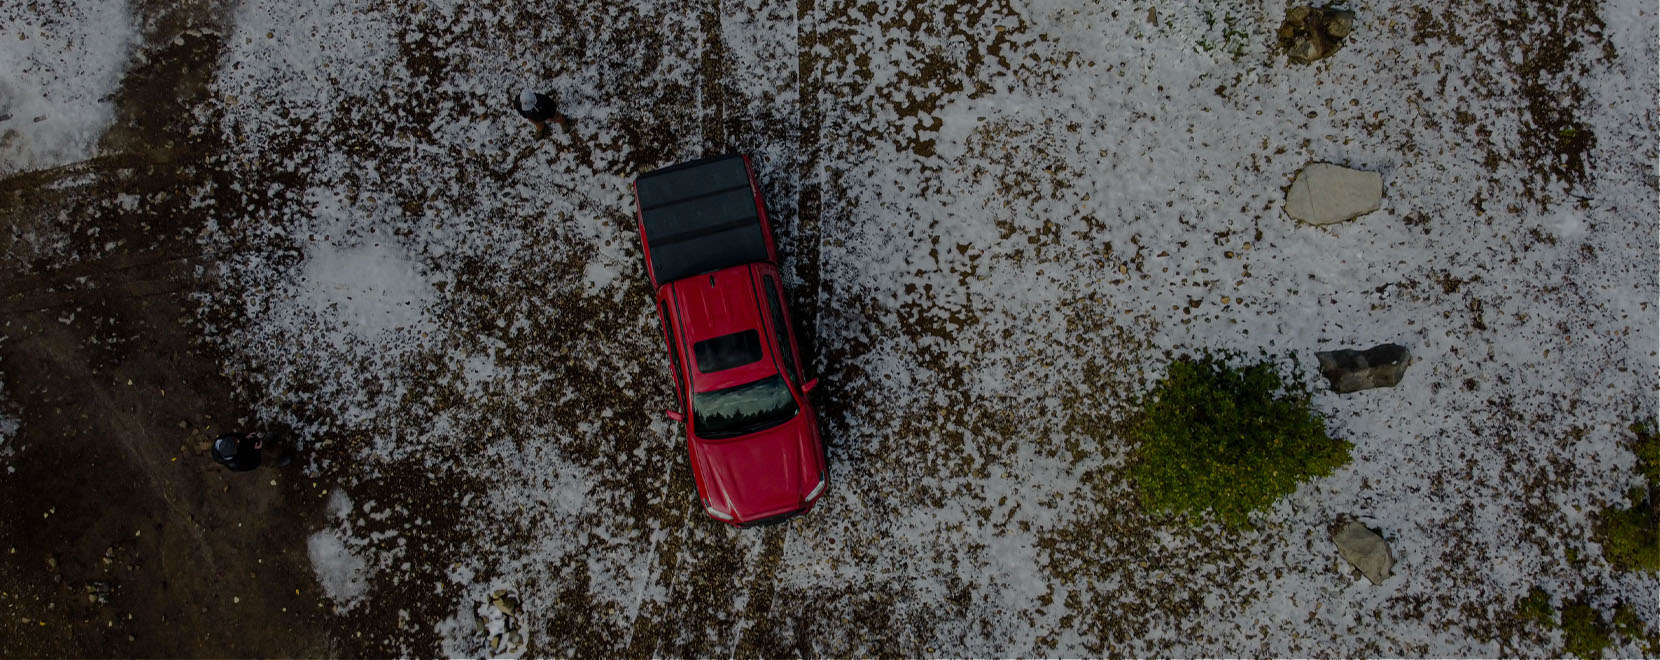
[120, 537]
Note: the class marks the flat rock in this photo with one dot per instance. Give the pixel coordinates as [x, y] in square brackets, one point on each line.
[1324, 193]
[1365, 549]
[1352, 371]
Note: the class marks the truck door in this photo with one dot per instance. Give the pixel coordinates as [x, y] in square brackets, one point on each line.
[781, 328]
[674, 354]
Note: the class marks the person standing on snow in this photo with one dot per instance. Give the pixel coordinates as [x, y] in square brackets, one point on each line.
[538, 108]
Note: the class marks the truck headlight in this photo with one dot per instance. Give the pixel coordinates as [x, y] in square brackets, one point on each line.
[823, 480]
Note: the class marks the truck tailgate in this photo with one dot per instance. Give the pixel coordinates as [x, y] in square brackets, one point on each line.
[700, 217]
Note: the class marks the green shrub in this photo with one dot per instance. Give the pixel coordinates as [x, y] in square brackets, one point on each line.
[1231, 440]
[1628, 536]
[1536, 607]
[1584, 634]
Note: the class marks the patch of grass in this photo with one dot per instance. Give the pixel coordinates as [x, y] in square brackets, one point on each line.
[1233, 40]
[1535, 607]
[1227, 439]
[1584, 633]
[1630, 627]
[1630, 537]
[1646, 444]
[1550, 38]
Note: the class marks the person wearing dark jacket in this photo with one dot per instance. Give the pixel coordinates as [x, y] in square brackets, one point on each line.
[539, 108]
[241, 451]
[238, 451]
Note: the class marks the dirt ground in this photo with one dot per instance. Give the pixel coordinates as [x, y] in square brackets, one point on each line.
[121, 536]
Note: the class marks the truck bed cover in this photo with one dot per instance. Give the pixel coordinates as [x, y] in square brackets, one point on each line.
[700, 217]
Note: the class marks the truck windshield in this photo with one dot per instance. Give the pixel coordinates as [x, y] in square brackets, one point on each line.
[742, 410]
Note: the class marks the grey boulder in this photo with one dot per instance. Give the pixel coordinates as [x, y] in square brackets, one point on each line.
[1365, 549]
[1352, 371]
[1324, 193]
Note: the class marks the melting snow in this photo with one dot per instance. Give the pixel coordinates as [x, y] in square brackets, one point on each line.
[61, 62]
[1005, 251]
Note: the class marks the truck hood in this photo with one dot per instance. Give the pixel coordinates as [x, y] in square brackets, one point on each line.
[761, 474]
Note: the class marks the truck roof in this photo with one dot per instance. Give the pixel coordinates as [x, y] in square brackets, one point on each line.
[699, 217]
[717, 305]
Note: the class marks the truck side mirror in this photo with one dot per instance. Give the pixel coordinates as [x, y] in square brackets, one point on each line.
[675, 415]
[809, 385]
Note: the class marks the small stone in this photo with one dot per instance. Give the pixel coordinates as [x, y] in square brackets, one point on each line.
[1341, 24]
[507, 604]
[1306, 49]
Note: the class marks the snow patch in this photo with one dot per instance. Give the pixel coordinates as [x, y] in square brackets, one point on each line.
[343, 574]
[61, 63]
[339, 505]
[371, 291]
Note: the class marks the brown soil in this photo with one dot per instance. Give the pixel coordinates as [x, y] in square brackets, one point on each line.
[120, 536]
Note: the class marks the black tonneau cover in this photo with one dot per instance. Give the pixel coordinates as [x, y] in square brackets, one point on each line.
[700, 217]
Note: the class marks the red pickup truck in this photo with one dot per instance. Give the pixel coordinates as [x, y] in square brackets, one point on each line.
[750, 428]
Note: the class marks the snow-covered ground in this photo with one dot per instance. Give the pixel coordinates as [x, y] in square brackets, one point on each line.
[1000, 220]
[61, 63]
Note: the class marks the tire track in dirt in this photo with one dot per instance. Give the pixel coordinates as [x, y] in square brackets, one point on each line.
[720, 584]
[695, 565]
[712, 91]
[810, 177]
[116, 394]
[760, 638]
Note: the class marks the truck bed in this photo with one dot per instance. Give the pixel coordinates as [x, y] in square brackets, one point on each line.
[700, 217]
